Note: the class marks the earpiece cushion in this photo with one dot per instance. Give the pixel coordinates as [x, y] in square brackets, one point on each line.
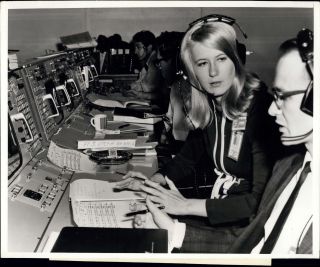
[242, 52]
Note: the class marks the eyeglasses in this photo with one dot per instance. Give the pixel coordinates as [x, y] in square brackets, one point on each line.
[217, 18]
[279, 96]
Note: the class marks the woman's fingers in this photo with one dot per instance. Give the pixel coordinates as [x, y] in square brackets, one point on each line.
[156, 189]
[123, 184]
[152, 207]
[132, 174]
[157, 200]
[130, 183]
[151, 191]
[155, 185]
[171, 185]
[132, 180]
[161, 218]
[139, 221]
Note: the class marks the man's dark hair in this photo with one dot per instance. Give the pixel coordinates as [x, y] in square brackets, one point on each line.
[168, 44]
[145, 37]
[102, 41]
[288, 46]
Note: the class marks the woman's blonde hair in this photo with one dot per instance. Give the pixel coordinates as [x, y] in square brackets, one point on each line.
[220, 36]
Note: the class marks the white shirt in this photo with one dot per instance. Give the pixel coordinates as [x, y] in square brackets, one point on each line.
[299, 218]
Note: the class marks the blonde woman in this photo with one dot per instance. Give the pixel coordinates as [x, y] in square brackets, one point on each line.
[228, 109]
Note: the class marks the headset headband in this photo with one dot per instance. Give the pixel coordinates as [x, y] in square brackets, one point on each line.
[217, 18]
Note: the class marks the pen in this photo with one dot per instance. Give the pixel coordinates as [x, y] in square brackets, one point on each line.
[145, 211]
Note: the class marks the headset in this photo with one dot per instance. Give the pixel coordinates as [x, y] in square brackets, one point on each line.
[305, 47]
[241, 48]
[304, 42]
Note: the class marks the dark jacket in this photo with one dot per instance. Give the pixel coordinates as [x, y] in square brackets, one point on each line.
[254, 164]
[283, 172]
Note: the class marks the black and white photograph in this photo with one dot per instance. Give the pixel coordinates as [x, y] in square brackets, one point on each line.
[160, 131]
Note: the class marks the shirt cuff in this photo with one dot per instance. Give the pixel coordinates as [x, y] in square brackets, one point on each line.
[178, 233]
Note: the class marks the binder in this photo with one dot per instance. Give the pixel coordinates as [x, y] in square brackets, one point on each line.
[111, 240]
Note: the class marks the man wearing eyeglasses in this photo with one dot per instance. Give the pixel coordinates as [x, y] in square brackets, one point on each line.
[284, 221]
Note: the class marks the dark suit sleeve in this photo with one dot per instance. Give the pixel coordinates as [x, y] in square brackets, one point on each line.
[183, 165]
[203, 239]
[244, 198]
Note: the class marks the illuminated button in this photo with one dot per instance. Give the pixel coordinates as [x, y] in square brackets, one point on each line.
[48, 202]
[29, 177]
[51, 197]
[16, 190]
[13, 197]
[43, 207]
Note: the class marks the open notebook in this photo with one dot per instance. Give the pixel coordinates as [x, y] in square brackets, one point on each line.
[96, 203]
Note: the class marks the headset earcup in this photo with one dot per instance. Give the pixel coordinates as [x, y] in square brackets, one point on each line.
[307, 101]
[241, 52]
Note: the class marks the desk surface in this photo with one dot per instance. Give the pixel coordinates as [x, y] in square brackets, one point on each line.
[62, 216]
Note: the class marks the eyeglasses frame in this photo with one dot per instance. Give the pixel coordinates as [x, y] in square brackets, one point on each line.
[279, 95]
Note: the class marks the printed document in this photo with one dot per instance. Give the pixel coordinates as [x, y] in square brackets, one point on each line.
[95, 203]
[70, 159]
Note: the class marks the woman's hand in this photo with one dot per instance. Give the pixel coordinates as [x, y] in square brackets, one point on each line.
[172, 199]
[160, 218]
[132, 180]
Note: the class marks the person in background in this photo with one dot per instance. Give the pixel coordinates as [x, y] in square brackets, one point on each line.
[227, 107]
[161, 70]
[100, 53]
[143, 46]
[109, 55]
[167, 48]
[149, 82]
